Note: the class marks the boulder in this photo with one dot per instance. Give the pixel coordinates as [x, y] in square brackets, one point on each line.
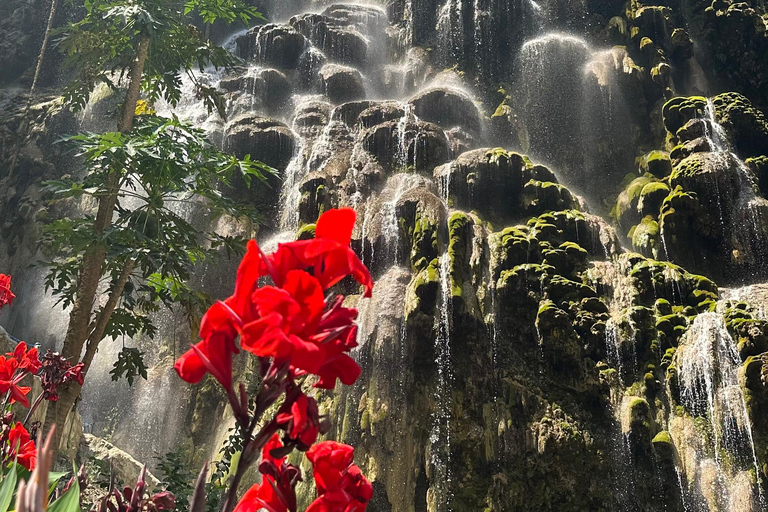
[341, 83]
[341, 44]
[349, 113]
[343, 32]
[381, 113]
[745, 125]
[265, 139]
[269, 87]
[412, 144]
[276, 45]
[310, 116]
[127, 469]
[447, 108]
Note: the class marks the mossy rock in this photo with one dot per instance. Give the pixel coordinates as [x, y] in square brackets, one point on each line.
[652, 196]
[656, 163]
[678, 111]
[561, 290]
[645, 236]
[663, 446]
[515, 246]
[626, 211]
[306, 232]
[543, 196]
[421, 293]
[569, 258]
[746, 126]
[459, 251]
[759, 167]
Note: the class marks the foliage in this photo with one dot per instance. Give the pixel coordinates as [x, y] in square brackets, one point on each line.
[176, 478]
[102, 45]
[163, 166]
[129, 364]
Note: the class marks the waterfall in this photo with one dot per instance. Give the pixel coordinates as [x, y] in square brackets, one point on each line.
[724, 453]
[549, 97]
[440, 437]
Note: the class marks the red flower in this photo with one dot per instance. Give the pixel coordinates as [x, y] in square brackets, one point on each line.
[301, 421]
[29, 360]
[341, 486]
[22, 448]
[6, 295]
[277, 490]
[294, 327]
[328, 254]
[9, 381]
[220, 325]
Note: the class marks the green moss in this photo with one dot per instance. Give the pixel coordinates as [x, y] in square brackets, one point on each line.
[543, 196]
[306, 232]
[656, 163]
[690, 167]
[645, 236]
[678, 111]
[745, 125]
[424, 241]
[459, 249]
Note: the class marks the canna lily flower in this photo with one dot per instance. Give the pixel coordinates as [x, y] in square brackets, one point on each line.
[22, 448]
[294, 327]
[301, 421]
[29, 360]
[328, 254]
[9, 381]
[277, 490]
[219, 327]
[6, 295]
[341, 486]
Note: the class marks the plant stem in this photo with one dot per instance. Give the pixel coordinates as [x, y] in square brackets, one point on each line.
[34, 407]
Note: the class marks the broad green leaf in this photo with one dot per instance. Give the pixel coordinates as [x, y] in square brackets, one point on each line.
[7, 489]
[69, 501]
[53, 480]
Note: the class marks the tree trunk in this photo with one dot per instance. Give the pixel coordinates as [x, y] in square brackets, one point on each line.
[134, 86]
[90, 271]
[97, 333]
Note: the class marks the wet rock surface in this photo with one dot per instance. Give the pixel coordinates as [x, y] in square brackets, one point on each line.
[516, 355]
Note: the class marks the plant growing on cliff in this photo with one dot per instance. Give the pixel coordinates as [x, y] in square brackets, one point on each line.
[152, 43]
[146, 45]
[144, 255]
[300, 332]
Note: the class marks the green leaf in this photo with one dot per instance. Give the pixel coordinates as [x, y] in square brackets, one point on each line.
[53, 480]
[69, 501]
[8, 488]
[130, 362]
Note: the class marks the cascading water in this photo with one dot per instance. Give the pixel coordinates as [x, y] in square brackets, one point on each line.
[440, 437]
[723, 454]
[549, 97]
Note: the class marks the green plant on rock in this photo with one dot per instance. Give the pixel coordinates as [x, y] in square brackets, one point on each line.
[152, 42]
[137, 241]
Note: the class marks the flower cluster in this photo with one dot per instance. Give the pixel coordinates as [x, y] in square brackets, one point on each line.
[296, 327]
[17, 444]
[14, 366]
[57, 371]
[341, 486]
[6, 295]
[290, 322]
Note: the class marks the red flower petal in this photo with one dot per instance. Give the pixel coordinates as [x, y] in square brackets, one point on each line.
[341, 367]
[336, 225]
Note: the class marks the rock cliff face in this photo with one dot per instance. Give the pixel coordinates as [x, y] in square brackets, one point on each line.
[524, 350]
